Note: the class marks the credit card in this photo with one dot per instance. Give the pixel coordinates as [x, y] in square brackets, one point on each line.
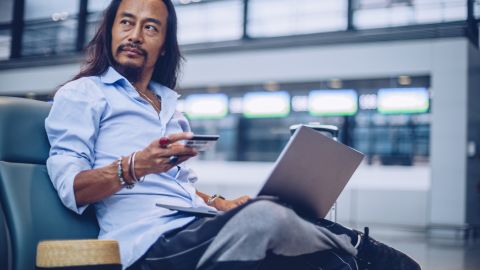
[202, 142]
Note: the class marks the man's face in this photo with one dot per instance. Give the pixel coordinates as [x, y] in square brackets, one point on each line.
[138, 33]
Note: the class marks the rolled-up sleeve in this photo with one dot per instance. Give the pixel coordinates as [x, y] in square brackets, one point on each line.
[72, 127]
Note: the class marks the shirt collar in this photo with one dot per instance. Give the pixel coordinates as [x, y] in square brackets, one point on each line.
[112, 76]
[168, 96]
[163, 91]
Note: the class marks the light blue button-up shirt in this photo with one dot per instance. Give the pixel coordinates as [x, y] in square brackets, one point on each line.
[94, 121]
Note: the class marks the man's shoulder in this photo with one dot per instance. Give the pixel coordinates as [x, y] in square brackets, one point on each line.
[86, 87]
[83, 82]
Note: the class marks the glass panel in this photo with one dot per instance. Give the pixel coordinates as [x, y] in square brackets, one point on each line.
[98, 5]
[49, 29]
[291, 17]
[390, 13]
[95, 15]
[210, 21]
[5, 41]
[476, 9]
[49, 37]
[93, 21]
[37, 9]
[6, 11]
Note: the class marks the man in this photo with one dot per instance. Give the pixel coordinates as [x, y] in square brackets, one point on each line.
[114, 136]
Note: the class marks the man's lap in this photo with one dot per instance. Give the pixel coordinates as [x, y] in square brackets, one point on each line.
[191, 241]
[183, 248]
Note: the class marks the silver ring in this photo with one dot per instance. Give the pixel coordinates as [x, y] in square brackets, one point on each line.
[173, 160]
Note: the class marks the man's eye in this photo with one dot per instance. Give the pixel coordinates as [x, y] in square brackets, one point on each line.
[125, 22]
[151, 27]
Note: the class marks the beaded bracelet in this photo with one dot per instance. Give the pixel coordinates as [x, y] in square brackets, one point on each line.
[120, 175]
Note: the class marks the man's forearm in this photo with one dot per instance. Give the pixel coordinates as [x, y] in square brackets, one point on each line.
[94, 185]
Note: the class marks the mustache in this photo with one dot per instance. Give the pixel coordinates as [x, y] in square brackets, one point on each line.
[131, 46]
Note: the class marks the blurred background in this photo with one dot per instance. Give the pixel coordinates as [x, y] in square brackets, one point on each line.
[400, 78]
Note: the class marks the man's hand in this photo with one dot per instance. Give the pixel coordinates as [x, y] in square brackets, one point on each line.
[225, 205]
[155, 158]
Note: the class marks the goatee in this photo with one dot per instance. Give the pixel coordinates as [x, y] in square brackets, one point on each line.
[132, 74]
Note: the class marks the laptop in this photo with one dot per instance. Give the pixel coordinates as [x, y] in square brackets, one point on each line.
[309, 174]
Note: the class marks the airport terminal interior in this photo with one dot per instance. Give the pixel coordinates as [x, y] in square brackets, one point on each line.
[400, 79]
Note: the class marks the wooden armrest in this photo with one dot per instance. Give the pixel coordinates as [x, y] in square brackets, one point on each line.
[72, 253]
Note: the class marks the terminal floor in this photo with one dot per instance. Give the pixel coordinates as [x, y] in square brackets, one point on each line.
[432, 253]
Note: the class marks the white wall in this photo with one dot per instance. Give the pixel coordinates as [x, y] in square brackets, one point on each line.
[449, 133]
[310, 63]
[41, 80]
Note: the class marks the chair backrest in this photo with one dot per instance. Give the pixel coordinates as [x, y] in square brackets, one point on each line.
[4, 242]
[31, 207]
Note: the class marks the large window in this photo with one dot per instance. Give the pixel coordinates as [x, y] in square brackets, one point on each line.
[290, 17]
[391, 13]
[49, 29]
[210, 21]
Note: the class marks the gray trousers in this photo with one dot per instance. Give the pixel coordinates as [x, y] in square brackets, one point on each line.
[262, 234]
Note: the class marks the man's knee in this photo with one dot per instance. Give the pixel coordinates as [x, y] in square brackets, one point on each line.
[265, 216]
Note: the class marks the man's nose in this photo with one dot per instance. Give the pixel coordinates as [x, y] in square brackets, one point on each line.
[136, 35]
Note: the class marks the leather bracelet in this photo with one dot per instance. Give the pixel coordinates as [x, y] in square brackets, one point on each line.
[213, 198]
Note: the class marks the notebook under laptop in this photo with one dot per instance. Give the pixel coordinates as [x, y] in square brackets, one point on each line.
[309, 174]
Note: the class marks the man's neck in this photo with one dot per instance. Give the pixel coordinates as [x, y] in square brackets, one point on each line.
[142, 83]
[139, 78]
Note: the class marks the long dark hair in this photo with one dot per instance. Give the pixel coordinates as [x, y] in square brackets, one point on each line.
[99, 52]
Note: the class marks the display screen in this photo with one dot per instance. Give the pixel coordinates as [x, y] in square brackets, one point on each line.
[266, 104]
[403, 100]
[206, 106]
[333, 102]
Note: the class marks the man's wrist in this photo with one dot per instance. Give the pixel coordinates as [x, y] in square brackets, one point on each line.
[126, 170]
[211, 200]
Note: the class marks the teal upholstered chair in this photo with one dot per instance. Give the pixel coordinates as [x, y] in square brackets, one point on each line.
[30, 208]
[4, 242]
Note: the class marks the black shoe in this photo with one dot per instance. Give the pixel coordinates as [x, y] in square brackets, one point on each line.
[373, 255]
